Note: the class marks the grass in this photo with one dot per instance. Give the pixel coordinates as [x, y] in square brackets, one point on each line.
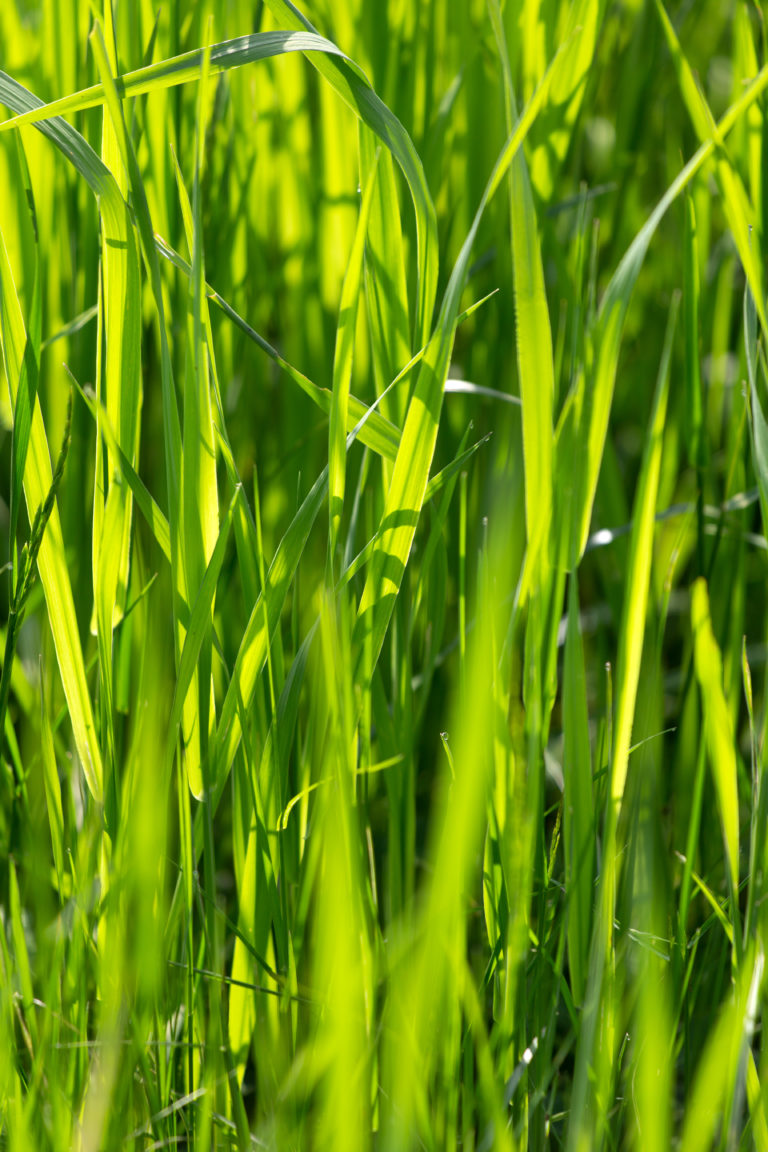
[384, 503]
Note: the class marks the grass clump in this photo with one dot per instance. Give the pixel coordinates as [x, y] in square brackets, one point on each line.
[383, 741]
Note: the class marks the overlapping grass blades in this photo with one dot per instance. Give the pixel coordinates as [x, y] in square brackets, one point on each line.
[587, 420]
[53, 570]
[600, 1022]
[534, 340]
[347, 80]
[449, 872]
[405, 495]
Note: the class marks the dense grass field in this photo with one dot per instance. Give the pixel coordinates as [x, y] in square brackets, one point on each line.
[383, 510]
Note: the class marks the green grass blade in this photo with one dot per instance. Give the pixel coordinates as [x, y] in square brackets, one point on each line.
[739, 212]
[51, 559]
[638, 575]
[534, 334]
[578, 801]
[386, 294]
[552, 138]
[719, 732]
[758, 427]
[342, 364]
[27, 390]
[200, 622]
[199, 492]
[52, 793]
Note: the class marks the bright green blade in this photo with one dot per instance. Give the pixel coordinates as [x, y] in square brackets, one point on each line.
[718, 728]
[342, 365]
[739, 212]
[534, 334]
[51, 559]
[199, 492]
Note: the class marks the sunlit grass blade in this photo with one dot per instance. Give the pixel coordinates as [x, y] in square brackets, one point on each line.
[567, 93]
[711, 1100]
[199, 493]
[386, 295]
[638, 574]
[534, 334]
[342, 954]
[51, 561]
[200, 621]
[739, 212]
[121, 290]
[27, 389]
[694, 399]
[342, 364]
[719, 734]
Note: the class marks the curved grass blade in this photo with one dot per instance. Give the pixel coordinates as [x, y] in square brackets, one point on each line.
[739, 212]
[348, 81]
[337, 68]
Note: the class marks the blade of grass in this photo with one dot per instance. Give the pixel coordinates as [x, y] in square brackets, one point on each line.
[720, 739]
[51, 559]
[578, 800]
[342, 365]
[738, 210]
[534, 335]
